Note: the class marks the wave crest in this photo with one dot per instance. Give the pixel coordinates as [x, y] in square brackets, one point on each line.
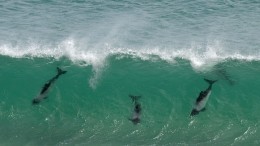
[199, 56]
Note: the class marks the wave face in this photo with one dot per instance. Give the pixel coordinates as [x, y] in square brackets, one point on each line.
[160, 50]
[86, 107]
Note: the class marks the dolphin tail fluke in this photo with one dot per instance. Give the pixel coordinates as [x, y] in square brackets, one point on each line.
[60, 72]
[210, 81]
[134, 98]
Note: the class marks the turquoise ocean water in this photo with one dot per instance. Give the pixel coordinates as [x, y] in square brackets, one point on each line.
[160, 50]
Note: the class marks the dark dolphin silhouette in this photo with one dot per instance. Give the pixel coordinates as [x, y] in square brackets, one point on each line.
[137, 110]
[202, 99]
[46, 87]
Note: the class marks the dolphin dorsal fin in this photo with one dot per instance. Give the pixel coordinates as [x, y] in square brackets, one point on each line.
[134, 98]
[60, 72]
[210, 81]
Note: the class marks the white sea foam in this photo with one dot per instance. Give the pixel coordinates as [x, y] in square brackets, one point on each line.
[199, 56]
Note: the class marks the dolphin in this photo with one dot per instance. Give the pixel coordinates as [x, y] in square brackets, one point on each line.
[137, 110]
[202, 99]
[221, 72]
[46, 87]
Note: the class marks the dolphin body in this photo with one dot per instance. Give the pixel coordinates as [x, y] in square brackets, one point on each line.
[202, 99]
[137, 110]
[46, 87]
